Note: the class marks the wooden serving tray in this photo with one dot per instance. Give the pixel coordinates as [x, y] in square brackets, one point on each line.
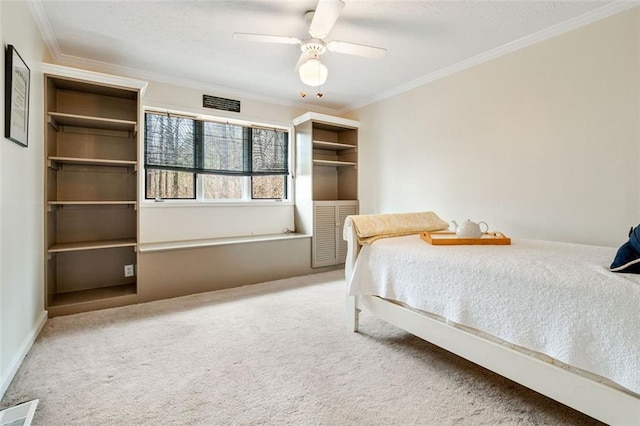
[448, 238]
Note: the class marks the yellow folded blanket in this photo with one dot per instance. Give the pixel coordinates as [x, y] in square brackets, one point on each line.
[372, 227]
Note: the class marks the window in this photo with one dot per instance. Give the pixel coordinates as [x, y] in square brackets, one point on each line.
[187, 158]
[169, 184]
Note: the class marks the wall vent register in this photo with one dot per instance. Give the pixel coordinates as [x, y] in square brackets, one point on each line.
[223, 104]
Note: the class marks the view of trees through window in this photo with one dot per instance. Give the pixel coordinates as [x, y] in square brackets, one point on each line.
[269, 187]
[232, 162]
[168, 184]
[223, 187]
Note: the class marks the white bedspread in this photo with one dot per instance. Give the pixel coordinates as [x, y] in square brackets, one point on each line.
[555, 298]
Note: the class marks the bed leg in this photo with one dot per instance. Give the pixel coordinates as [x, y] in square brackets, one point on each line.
[353, 313]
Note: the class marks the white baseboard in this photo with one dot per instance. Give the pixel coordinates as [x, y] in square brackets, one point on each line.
[17, 359]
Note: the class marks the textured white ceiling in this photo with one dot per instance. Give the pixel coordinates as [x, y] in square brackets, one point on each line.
[191, 40]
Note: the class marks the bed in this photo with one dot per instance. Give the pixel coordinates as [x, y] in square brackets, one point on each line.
[547, 315]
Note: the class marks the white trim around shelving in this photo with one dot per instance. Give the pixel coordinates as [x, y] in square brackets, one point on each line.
[94, 77]
[328, 119]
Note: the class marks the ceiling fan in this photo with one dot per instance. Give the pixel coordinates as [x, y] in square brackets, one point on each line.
[312, 72]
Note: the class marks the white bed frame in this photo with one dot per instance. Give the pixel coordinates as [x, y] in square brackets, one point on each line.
[602, 402]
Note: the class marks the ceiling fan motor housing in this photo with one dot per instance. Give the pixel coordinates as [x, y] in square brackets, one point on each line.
[313, 47]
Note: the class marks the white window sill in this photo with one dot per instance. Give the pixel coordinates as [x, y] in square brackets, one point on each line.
[192, 203]
[189, 244]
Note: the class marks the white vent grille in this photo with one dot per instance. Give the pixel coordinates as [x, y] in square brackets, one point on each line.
[19, 415]
[324, 238]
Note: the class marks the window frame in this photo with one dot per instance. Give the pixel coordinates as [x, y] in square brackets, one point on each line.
[199, 199]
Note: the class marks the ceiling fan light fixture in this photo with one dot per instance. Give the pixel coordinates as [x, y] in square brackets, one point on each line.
[313, 72]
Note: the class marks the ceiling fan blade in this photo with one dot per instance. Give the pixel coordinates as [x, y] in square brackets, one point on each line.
[326, 14]
[301, 60]
[356, 49]
[265, 38]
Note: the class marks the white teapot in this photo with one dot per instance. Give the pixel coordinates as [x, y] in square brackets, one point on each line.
[469, 229]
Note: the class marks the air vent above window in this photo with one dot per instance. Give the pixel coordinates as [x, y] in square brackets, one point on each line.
[224, 104]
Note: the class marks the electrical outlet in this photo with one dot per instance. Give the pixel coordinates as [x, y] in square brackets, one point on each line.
[129, 271]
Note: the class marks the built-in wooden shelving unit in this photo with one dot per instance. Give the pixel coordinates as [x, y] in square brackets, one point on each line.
[91, 163]
[327, 182]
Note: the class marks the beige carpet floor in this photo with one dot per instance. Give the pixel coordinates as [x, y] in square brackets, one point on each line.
[274, 353]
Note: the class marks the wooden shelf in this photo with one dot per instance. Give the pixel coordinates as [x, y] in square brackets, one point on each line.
[92, 245]
[105, 297]
[83, 296]
[91, 161]
[331, 163]
[70, 83]
[333, 146]
[89, 203]
[57, 119]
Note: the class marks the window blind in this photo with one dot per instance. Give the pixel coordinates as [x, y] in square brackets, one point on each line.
[197, 146]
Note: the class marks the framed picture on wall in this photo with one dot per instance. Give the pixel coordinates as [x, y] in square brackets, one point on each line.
[16, 102]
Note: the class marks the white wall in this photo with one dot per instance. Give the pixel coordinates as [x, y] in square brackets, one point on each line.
[540, 143]
[170, 222]
[21, 206]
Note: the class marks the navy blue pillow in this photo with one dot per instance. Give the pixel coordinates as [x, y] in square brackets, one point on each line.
[628, 256]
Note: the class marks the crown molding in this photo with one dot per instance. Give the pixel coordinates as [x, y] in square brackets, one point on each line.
[42, 22]
[40, 18]
[108, 79]
[553, 31]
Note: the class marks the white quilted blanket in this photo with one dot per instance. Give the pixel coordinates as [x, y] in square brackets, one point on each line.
[559, 299]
